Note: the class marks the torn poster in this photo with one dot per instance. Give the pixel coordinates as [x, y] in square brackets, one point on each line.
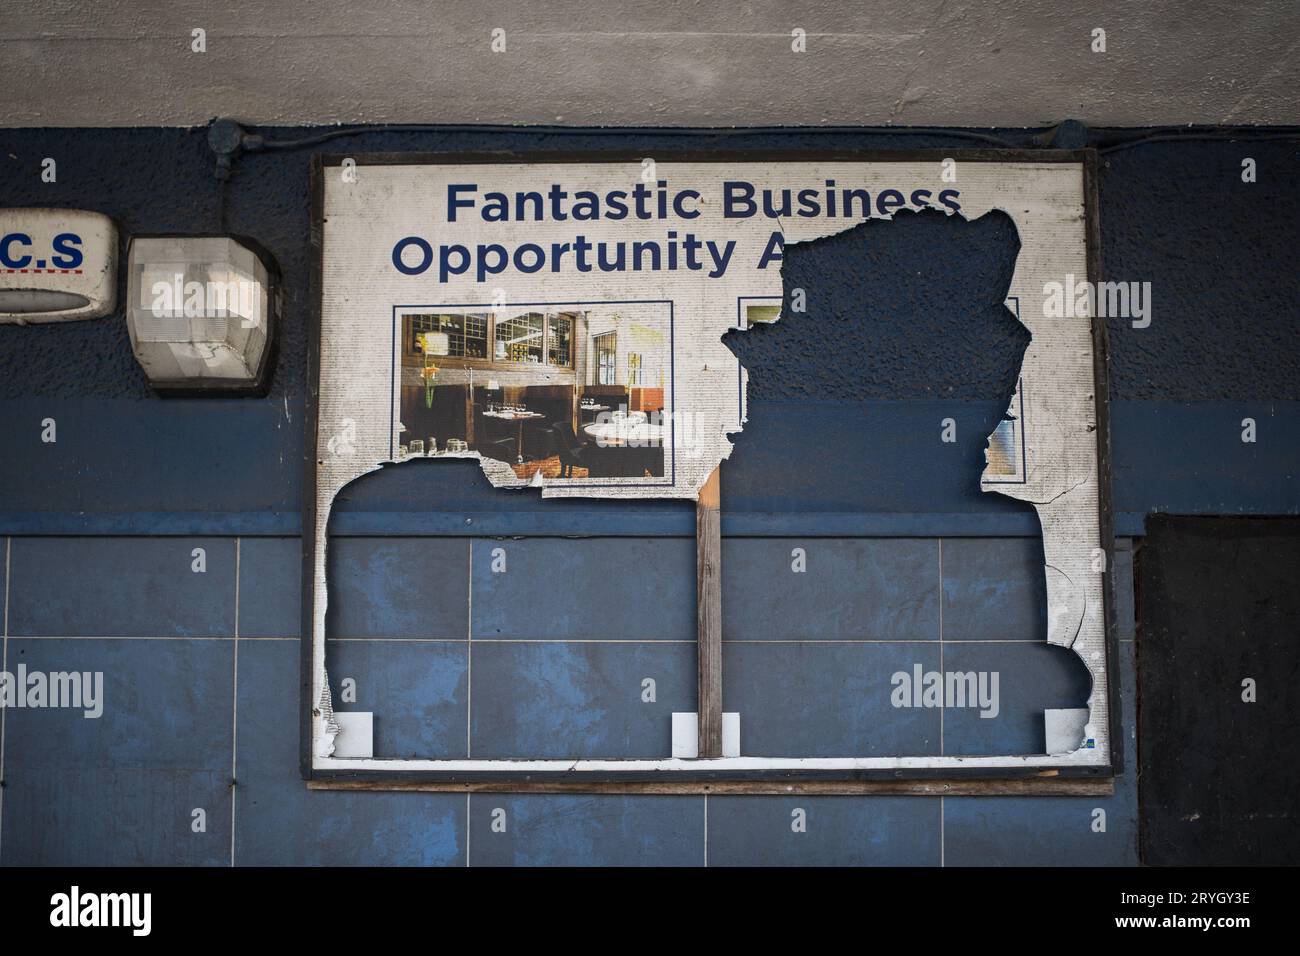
[561, 322]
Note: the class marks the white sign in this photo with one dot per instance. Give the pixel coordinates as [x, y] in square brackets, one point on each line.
[56, 265]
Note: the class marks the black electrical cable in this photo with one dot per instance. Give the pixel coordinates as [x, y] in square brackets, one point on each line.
[235, 139]
[257, 143]
[1191, 136]
[1167, 134]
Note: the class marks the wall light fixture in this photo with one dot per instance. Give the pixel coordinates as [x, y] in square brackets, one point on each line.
[202, 312]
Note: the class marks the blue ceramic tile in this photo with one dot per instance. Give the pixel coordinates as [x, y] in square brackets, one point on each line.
[591, 589]
[398, 587]
[1039, 831]
[167, 705]
[270, 587]
[578, 700]
[279, 822]
[1031, 678]
[994, 589]
[415, 689]
[111, 587]
[826, 700]
[98, 816]
[852, 588]
[823, 831]
[120, 789]
[1052, 831]
[609, 830]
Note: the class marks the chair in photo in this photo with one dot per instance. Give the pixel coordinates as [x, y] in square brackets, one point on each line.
[572, 451]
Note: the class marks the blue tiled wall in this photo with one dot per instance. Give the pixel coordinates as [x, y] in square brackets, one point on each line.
[200, 705]
[202, 669]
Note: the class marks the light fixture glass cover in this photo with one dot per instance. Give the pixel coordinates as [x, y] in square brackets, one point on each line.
[201, 312]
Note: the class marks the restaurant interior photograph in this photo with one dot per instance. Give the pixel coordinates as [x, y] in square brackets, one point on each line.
[574, 391]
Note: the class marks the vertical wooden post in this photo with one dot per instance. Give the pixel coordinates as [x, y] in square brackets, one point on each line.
[708, 604]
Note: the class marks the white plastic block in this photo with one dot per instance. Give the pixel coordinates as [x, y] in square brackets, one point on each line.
[686, 735]
[356, 737]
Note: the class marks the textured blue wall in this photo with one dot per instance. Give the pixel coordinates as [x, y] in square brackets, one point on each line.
[1223, 257]
[202, 668]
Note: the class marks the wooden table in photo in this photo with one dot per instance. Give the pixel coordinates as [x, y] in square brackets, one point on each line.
[519, 417]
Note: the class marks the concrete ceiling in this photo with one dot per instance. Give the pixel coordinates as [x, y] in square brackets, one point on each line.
[666, 63]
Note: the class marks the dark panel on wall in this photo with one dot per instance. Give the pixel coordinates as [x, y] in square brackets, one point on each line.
[1218, 605]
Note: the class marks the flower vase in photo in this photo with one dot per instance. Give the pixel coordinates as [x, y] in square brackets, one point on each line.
[428, 347]
[428, 373]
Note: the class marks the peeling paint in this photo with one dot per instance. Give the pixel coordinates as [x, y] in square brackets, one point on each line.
[327, 727]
